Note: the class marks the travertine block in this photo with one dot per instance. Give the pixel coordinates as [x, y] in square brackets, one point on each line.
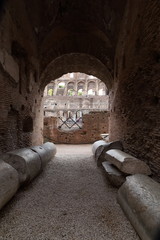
[96, 145]
[46, 152]
[100, 147]
[9, 182]
[139, 198]
[115, 176]
[127, 163]
[26, 162]
[51, 149]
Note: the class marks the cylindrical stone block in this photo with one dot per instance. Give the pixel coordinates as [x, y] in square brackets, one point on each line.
[50, 148]
[100, 147]
[46, 152]
[9, 182]
[97, 144]
[139, 198]
[26, 162]
[127, 163]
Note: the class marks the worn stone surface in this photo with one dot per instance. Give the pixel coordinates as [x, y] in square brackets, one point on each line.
[42, 153]
[26, 162]
[100, 147]
[139, 198]
[9, 182]
[115, 176]
[127, 163]
[50, 150]
[46, 152]
[96, 145]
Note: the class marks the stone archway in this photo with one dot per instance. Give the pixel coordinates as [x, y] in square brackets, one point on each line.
[76, 62]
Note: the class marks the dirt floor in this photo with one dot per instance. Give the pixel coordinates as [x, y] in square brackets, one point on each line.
[70, 200]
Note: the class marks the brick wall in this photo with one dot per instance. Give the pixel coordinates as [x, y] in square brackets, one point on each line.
[135, 98]
[93, 125]
[20, 97]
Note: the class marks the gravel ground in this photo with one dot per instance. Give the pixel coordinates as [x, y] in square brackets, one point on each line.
[70, 200]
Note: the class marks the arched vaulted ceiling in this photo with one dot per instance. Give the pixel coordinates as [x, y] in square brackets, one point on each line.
[68, 29]
[76, 62]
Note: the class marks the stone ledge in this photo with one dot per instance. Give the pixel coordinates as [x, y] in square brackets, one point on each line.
[139, 198]
[127, 163]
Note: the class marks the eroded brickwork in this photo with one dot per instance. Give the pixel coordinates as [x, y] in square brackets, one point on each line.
[94, 124]
[20, 97]
[135, 107]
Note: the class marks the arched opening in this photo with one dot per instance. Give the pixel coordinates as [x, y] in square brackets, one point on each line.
[102, 89]
[75, 111]
[76, 62]
[91, 88]
[70, 68]
[50, 89]
[81, 88]
[61, 85]
[60, 88]
[115, 41]
[70, 89]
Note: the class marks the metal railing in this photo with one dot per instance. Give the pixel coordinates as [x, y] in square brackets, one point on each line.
[70, 123]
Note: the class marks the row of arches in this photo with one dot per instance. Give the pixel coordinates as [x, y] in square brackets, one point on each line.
[76, 88]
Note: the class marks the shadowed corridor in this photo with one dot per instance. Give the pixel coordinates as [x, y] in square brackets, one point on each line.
[70, 200]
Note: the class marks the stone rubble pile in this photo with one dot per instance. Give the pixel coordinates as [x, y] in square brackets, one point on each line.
[138, 195]
[117, 164]
[20, 166]
[100, 148]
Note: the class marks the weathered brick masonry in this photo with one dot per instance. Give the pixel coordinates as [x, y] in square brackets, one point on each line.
[135, 98]
[94, 124]
[20, 96]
